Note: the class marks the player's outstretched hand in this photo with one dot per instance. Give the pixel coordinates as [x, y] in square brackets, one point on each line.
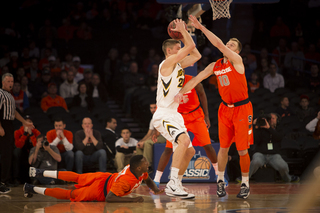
[195, 22]
[158, 192]
[178, 98]
[138, 199]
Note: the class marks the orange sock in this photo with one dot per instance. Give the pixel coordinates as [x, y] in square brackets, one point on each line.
[245, 163]
[58, 193]
[68, 176]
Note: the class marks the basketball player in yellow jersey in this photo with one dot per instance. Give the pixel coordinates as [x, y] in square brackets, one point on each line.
[166, 119]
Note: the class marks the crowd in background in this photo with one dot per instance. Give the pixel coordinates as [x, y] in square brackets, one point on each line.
[72, 52]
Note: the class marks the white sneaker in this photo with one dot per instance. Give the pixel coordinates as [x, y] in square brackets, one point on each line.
[173, 188]
[32, 172]
[182, 187]
[189, 196]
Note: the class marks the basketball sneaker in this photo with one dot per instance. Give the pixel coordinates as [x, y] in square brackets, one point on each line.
[182, 187]
[221, 192]
[188, 197]
[173, 188]
[28, 190]
[294, 179]
[244, 191]
[4, 189]
[225, 180]
[34, 172]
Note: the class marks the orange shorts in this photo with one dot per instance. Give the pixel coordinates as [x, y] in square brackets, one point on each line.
[235, 125]
[195, 123]
[90, 187]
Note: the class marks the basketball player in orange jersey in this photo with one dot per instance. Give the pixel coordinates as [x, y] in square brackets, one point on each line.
[99, 186]
[196, 121]
[235, 111]
[166, 119]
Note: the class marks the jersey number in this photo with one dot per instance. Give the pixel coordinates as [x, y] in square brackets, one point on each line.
[181, 81]
[224, 80]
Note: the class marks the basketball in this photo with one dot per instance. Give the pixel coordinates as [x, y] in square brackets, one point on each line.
[202, 163]
[174, 34]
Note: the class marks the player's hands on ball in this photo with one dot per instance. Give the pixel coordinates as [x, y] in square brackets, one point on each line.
[180, 25]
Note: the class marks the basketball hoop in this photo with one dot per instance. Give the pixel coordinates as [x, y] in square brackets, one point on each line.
[220, 8]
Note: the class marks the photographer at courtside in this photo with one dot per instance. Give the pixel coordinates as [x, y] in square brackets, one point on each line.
[44, 156]
[267, 140]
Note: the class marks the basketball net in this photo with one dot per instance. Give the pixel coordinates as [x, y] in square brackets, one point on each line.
[220, 8]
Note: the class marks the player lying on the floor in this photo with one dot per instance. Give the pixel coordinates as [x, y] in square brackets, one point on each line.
[99, 186]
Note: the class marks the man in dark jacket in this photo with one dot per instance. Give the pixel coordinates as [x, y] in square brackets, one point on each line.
[267, 142]
[96, 89]
[109, 136]
[89, 146]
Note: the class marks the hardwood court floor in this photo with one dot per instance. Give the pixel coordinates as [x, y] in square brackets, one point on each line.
[264, 198]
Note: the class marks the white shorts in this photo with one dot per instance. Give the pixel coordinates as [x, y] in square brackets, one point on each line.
[170, 124]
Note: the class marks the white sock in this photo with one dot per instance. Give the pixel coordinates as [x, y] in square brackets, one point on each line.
[174, 173]
[158, 176]
[39, 190]
[180, 177]
[220, 176]
[215, 167]
[52, 174]
[245, 180]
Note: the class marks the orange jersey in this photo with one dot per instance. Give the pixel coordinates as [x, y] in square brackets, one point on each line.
[125, 182]
[48, 102]
[232, 85]
[190, 99]
[51, 135]
[96, 186]
[193, 117]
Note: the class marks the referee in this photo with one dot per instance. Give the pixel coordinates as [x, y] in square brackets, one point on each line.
[7, 114]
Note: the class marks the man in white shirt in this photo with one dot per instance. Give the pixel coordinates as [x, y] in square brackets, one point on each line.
[77, 75]
[126, 148]
[69, 88]
[63, 140]
[273, 80]
[311, 126]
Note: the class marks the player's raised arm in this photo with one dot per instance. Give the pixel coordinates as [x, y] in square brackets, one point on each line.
[192, 58]
[194, 81]
[174, 55]
[233, 56]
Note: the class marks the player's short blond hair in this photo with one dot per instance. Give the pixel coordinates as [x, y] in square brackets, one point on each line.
[169, 43]
[238, 42]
